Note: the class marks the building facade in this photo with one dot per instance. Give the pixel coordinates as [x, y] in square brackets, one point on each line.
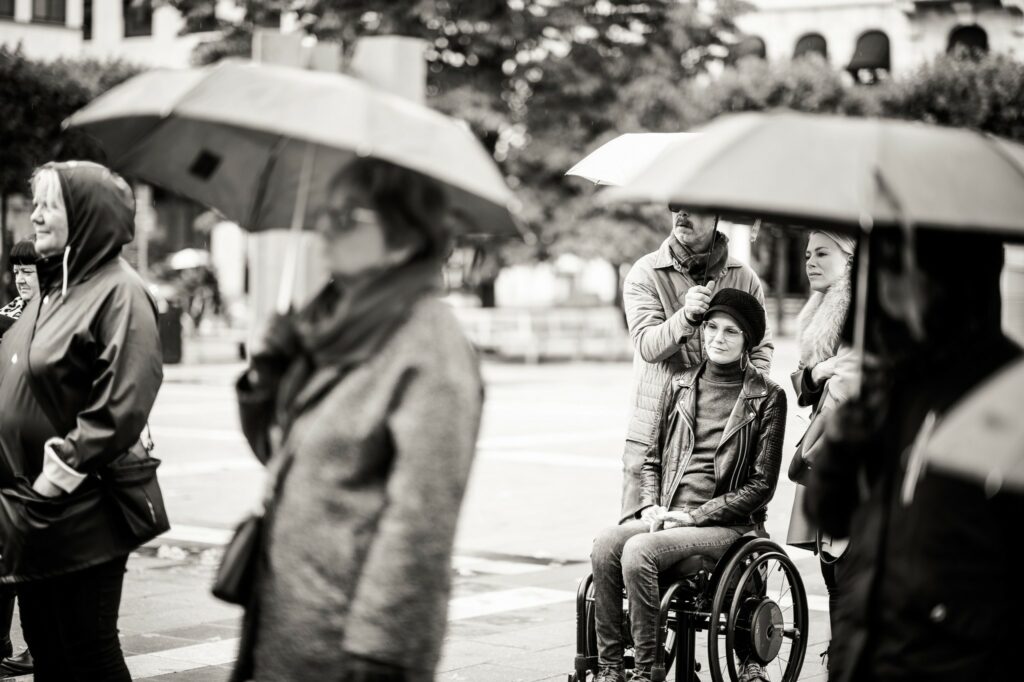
[133, 30]
[871, 38]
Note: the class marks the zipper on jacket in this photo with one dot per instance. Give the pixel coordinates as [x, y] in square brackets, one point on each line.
[681, 471]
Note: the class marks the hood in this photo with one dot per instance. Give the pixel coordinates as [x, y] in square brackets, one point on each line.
[101, 219]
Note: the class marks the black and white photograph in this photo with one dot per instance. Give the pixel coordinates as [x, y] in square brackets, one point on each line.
[511, 340]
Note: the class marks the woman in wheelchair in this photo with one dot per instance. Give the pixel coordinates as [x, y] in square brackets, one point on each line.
[707, 480]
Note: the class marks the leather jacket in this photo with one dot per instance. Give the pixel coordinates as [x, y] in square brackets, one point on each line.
[748, 458]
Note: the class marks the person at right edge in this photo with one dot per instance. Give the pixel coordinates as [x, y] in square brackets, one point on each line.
[934, 560]
[665, 296]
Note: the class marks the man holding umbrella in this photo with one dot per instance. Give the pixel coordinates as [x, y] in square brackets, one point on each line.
[665, 296]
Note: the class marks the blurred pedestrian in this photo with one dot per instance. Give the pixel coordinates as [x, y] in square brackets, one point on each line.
[78, 376]
[365, 405]
[23, 263]
[934, 560]
[825, 377]
[665, 296]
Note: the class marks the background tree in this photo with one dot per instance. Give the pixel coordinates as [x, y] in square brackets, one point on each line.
[541, 82]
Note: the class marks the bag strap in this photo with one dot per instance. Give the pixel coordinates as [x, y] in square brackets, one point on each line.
[278, 467]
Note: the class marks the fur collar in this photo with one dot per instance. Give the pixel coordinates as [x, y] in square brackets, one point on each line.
[821, 322]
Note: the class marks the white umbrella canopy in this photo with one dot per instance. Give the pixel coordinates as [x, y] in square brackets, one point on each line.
[187, 259]
[237, 137]
[618, 161]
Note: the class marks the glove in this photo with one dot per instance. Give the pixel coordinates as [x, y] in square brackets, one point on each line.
[271, 354]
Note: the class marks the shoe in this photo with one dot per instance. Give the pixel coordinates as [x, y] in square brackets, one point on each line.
[610, 673]
[19, 664]
[753, 672]
[641, 673]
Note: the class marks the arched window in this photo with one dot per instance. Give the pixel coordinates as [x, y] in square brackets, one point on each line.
[972, 39]
[870, 63]
[811, 43]
[750, 46]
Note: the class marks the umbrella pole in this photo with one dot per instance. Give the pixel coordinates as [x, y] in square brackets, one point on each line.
[291, 262]
[860, 319]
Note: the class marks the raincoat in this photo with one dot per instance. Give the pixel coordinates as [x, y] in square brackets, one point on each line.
[80, 372]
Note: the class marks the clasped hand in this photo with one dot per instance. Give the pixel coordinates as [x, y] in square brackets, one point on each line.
[660, 518]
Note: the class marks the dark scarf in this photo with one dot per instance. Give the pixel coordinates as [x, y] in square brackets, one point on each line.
[700, 267]
[347, 322]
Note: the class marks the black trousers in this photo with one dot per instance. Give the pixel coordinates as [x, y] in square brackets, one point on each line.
[70, 624]
[833, 584]
[6, 618]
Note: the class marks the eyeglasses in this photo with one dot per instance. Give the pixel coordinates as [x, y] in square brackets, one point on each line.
[712, 329]
[676, 208]
[345, 218]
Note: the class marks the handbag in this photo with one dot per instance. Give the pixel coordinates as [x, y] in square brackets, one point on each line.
[131, 482]
[808, 445]
[235, 581]
[236, 575]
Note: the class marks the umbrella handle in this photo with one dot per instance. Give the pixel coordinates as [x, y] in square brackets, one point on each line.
[291, 262]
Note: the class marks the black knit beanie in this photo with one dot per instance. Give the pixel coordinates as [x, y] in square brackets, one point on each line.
[745, 309]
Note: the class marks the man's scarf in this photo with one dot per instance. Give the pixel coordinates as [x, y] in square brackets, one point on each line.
[700, 267]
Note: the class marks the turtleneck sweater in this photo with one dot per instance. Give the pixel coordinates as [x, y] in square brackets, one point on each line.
[718, 389]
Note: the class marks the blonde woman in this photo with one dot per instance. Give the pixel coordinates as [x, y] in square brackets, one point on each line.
[822, 381]
[79, 373]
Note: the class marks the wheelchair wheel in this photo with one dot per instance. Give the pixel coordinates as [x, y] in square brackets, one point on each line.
[758, 614]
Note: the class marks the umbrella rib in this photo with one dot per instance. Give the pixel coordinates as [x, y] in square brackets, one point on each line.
[264, 181]
[165, 114]
[993, 142]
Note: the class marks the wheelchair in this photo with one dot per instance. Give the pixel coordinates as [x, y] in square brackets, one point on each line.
[751, 603]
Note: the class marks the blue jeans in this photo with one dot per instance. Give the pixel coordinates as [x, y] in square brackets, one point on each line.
[630, 556]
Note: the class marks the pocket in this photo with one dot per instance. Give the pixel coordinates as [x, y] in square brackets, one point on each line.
[44, 530]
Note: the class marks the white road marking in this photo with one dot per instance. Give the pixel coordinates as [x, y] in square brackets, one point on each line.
[546, 438]
[183, 658]
[488, 603]
[177, 469]
[464, 563]
[194, 535]
[223, 652]
[551, 458]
